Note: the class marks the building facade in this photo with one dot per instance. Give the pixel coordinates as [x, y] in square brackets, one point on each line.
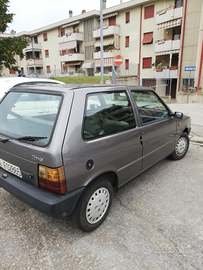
[157, 39]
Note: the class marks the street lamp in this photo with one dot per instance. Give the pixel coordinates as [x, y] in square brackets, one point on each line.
[101, 41]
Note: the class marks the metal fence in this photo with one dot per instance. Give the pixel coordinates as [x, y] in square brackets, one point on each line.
[193, 85]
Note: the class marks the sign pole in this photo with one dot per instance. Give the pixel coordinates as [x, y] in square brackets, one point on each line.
[191, 68]
[188, 87]
[118, 60]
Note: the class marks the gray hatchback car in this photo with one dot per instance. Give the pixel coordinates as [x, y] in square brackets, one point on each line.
[65, 149]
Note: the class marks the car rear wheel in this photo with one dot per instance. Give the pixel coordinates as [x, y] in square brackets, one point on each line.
[181, 147]
[93, 206]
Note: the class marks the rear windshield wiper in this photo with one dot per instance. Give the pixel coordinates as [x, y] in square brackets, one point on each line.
[31, 138]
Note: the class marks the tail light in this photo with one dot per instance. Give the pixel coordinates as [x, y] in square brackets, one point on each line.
[52, 180]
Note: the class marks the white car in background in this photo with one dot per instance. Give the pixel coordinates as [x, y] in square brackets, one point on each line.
[10, 82]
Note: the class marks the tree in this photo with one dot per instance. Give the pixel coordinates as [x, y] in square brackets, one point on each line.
[11, 46]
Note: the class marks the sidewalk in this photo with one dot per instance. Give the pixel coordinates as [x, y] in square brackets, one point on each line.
[195, 111]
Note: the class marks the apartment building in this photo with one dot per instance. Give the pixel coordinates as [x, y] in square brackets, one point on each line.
[156, 38]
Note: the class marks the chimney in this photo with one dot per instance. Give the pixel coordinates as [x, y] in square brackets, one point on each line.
[70, 13]
[104, 4]
[121, 1]
[83, 11]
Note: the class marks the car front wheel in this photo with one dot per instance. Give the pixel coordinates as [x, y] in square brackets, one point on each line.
[93, 206]
[181, 147]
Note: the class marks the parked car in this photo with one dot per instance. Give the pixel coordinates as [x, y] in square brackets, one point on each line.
[9, 82]
[68, 148]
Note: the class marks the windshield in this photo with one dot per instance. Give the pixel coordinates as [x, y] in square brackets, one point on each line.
[29, 116]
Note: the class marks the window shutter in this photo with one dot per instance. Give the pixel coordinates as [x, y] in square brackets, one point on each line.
[11, 71]
[45, 37]
[148, 38]
[149, 12]
[147, 62]
[127, 17]
[112, 20]
[127, 41]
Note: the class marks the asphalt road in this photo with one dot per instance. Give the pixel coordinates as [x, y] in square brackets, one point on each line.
[155, 223]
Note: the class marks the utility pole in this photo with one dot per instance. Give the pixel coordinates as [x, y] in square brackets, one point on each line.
[101, 43]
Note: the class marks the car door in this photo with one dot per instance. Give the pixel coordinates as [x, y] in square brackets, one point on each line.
[110, 137]
[158, 128]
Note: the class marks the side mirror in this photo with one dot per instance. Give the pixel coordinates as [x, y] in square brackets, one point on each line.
[178, 115]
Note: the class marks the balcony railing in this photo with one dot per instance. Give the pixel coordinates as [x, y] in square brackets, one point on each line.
[109, 54]
[72, 57]
[167, 45]
[33, 47]
[71, 37]
[107, 31]
[166, 73]
[168, 14]
[34, 62]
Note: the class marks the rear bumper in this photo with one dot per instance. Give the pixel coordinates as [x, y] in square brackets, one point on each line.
[46, 202]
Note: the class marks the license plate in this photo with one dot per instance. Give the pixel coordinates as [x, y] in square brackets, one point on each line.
[10, 168]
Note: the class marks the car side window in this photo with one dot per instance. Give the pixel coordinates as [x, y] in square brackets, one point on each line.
[149, 106]
[107, 113]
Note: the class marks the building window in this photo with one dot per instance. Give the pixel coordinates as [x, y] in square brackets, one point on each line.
[179, 3]
[62, 32]
[112, 20]
[147, 62]
[47, 53]
[127, 41]
[12, 71]
[127, 17]
[148, 38]
[35, 39]
[65, 68]
[45, 37]
[48, 69]
[177, 32]
[126, 63]
[149, 12]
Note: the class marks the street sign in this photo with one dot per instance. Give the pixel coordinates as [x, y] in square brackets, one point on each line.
[118, 60]
[192, 68]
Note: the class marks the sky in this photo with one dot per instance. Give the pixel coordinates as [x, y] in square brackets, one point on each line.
[33, 14]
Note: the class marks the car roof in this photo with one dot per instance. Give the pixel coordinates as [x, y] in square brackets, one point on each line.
[16, 80]
[79, 87]
[9, 82]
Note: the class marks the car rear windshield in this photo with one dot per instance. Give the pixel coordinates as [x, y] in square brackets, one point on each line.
[29, 116]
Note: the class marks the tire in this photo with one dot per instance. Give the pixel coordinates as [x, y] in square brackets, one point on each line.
[181, 147]
[93, 206]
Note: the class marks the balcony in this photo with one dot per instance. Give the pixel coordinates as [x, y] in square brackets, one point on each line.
[166, 73]
[109, 54]
[33, 47]
[167, 45]
[71, 57]
[34, 62]
[71, 37]
[107, 31]
[169, 14]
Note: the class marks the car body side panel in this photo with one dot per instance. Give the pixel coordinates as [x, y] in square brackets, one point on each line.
[120, 153]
